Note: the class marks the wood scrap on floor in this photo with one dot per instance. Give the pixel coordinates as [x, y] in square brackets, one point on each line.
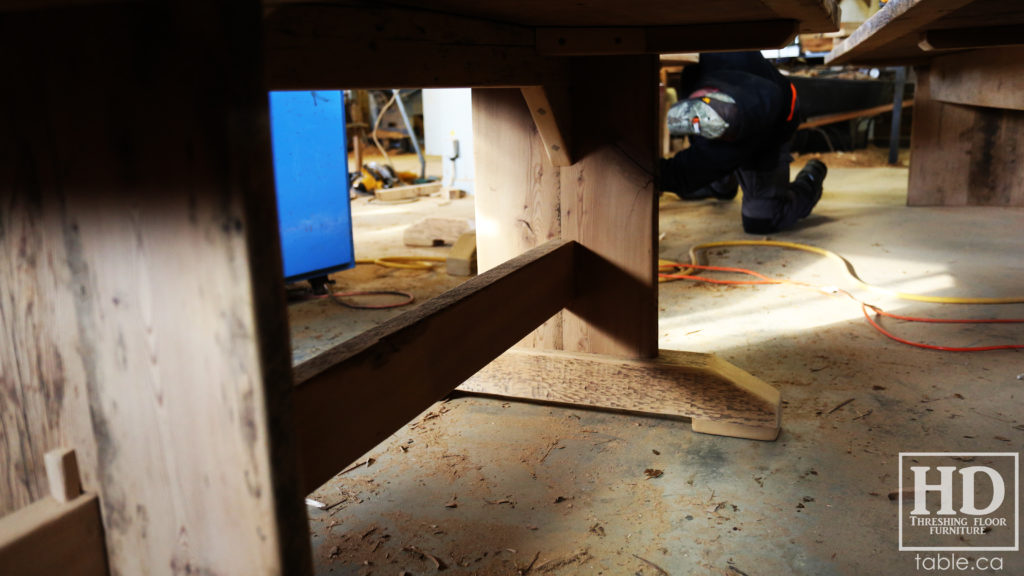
[526, 569]
[327, 499]
[438, 563]
[325, 503]
[734, 570]
[407, 192]
[577, 558]
[659, 569]
[840, 405]
[437, 231]
[461, 261]
[368, 462]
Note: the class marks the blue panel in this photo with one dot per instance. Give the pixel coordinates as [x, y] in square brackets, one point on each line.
[311, 174]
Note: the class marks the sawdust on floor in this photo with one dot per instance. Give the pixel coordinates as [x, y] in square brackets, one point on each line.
[481, 486]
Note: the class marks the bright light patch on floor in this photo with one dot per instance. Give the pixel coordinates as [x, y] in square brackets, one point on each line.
[750, 315]
[747, 319]
[934, 284]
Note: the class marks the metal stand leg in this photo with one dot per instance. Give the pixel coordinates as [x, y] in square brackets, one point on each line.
[412, 134]
[897, 114]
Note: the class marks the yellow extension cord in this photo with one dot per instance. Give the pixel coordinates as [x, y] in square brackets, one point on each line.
[423, 263]
[695, 259]
[405, 262]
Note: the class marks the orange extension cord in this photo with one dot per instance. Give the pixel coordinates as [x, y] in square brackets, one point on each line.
[762, 279]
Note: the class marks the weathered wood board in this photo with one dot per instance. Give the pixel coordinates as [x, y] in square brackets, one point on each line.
[141, 302]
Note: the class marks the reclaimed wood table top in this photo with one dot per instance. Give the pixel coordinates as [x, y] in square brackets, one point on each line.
[813, 15]
[915, 31]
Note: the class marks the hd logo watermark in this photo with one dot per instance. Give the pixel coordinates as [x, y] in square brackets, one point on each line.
[959, 501]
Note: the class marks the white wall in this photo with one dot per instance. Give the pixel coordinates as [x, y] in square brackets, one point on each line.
[856, 11]
[448, 112]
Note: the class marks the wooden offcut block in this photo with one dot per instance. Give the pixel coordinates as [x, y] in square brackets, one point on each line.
[62, 474]
[407, 192]
[461, 260]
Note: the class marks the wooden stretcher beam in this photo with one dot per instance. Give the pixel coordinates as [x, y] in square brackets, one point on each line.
[816, 121]
[719, 397]
[362, 44]
[51, 538]
[814, 15]
[972, 38]
[359, 45]
[990, 81]
[59, 534]
[665, 39]
[352, 397]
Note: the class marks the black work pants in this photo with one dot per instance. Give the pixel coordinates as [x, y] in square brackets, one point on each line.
[770, 201]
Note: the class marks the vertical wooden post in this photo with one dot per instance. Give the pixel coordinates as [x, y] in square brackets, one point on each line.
[609, 205]
[140, 278]
[964, 154]
[605, 200]
[940, 145]
[518, 190]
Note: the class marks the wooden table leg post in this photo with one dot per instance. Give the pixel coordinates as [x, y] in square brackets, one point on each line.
[964, 141]
[518, 190]
[139, 243]
[605, 200]
[609, 205]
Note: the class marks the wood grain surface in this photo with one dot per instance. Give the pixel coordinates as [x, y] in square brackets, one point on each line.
[347, 45]
[609, 205]
[51, 538]
[894, 34]
[701, 387]
[993, 79]
[518, 200]
[964, 155]
[139, 241]
[352, 397]
[816, 15]
[605, 200]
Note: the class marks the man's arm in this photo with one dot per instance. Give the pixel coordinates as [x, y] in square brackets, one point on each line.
[699, 165]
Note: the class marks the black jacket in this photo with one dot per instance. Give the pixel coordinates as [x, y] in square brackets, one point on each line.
[768, 116]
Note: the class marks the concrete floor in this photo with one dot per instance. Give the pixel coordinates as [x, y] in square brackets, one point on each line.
[481, 486]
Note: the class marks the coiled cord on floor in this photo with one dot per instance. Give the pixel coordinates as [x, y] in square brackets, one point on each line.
[850, 270]
[405, 262]
[688, 272]
[402, 262]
